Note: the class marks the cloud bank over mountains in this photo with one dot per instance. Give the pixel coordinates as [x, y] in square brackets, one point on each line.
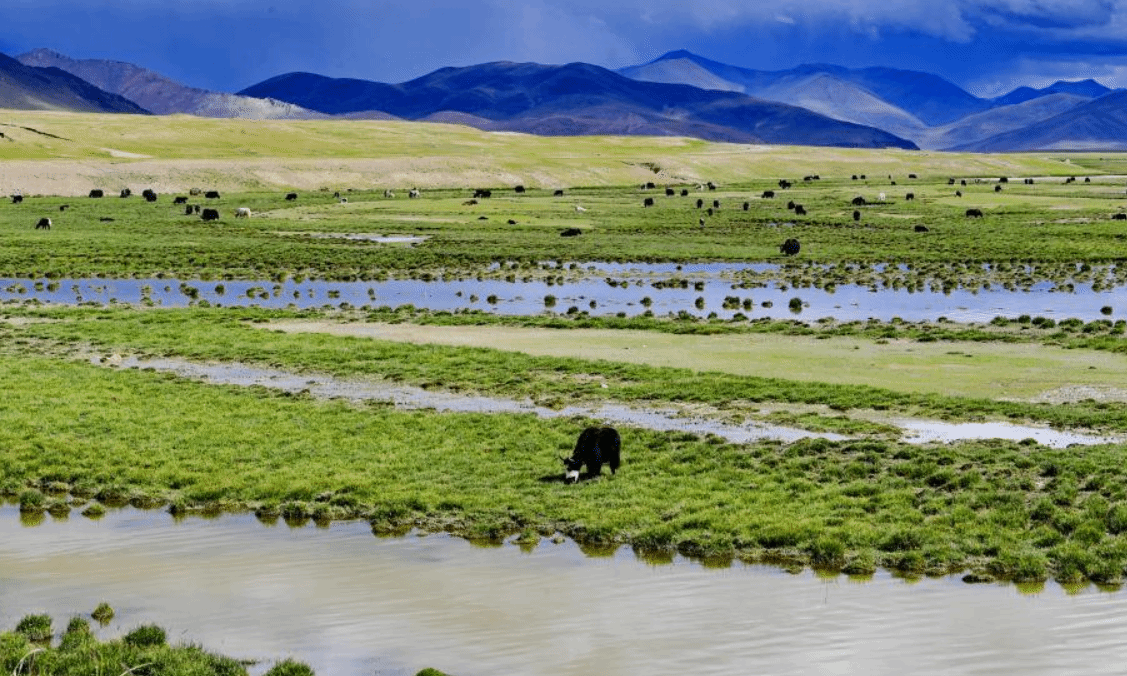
[986, 46]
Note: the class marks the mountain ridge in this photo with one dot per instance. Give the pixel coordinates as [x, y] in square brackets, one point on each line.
[31, 88]
[575, 98]
[159, 94]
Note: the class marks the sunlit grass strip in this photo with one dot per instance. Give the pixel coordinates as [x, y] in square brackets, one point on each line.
[1065, 236]
[1011, 510]
[220, 335]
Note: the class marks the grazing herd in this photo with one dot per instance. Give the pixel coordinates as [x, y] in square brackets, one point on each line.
[790, 247]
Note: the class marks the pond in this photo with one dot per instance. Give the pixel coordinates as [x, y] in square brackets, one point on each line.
[607, 289]
[346, 602]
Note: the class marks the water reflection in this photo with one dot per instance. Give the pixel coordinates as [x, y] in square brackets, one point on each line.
[631, 289]
[925, 431]
[349, 603]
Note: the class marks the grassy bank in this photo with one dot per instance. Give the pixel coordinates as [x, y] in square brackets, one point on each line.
[75, 429]
[231, 335]
[145, 650]
[30, 649]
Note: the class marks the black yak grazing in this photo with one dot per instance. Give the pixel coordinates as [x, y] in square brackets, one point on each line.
[595, 447]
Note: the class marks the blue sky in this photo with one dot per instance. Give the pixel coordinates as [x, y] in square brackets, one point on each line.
[986, 46]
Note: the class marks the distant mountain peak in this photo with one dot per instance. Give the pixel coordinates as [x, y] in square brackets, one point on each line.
[157, 93]
[676, 54]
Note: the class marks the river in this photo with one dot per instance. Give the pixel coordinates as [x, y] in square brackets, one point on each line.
[347, 602]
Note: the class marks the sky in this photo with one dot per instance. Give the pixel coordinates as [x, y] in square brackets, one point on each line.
[988, 47]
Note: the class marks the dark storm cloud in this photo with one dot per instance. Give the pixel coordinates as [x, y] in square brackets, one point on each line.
[230, 44]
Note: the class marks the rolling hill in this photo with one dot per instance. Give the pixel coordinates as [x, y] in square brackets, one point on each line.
[980, 126]
[1088, 89]
[574, 99]
[930, 111]
[29, 88]
[926, 97]
[163, 96]
[677, 94]
[1100, 124]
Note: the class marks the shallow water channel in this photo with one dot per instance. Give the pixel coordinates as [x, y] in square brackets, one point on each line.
[346, 602]
[915, 431]
[636, 288]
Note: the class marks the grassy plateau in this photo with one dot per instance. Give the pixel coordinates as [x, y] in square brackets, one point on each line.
[76, 433]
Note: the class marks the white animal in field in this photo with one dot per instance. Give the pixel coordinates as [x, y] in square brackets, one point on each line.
[881, 196]
[242, 212]
[388, 193]
[579, 209]
[344, 200]
[414, 193]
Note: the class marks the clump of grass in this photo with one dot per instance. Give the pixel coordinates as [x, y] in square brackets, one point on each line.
[77, 635]
[827, 552]
[146, 636]
[290, 667]
[58, 508]
[94, 511]
[78, 625]
[103, 613]
[35, 627]
[1019, 566]
[863, 563]
[32, 500]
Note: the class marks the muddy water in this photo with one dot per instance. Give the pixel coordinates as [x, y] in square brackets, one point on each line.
[916, 431]
[346, 602]
[593, 295]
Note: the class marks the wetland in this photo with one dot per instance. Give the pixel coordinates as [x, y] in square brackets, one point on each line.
[915, 406]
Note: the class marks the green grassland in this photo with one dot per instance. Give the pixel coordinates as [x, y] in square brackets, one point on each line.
[401, 154]
[1029, 233]
[72, 431]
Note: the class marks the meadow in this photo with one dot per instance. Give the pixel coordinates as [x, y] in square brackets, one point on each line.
[76, 434]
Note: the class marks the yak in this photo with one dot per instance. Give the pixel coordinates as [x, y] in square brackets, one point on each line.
[595, 447]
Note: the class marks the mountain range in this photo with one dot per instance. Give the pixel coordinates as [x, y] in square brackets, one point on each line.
[25, 87]
[576, 98]
[678, 93]
[160, 95]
